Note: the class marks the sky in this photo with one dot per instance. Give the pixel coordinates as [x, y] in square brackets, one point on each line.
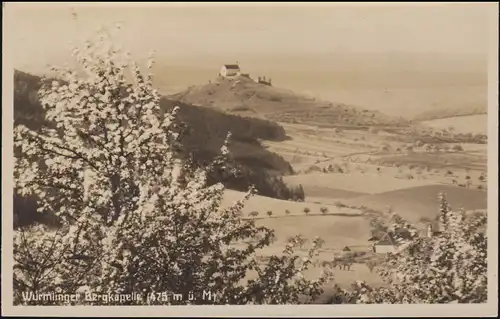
[397, 58]
[41, 33]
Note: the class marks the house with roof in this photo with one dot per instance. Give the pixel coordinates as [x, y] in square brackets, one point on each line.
[389, 242]
[230, 70]
[385, 243]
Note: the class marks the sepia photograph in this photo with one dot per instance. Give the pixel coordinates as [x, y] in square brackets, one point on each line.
[277, 159]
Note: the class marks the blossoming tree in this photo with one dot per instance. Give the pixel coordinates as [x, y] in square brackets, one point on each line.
[450, 267]
[136, 217]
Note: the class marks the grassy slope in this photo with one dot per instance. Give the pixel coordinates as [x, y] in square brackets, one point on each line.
[470, 159]
[354, 182]
[477, 123]
[263, 204]
[441, 112]
[414, 203]
[340, 227]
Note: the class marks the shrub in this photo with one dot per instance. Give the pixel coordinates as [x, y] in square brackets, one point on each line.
[307, 210]
[301, 241]
[371, 265]
[428, 147]
[253, 214]
[324, 210]
[114, 176]
[458, 148]
[339, 204]
[269, 213]
[312, 168]
[287, 212]
[385, 148]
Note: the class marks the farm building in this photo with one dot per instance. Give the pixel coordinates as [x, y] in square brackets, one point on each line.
[230, 70]
[384, 244]
[388, 243]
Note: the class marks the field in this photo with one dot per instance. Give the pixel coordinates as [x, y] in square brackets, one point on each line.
[464, 124]
[347, 171]
[353, 182]
[417, 202]
[263, 204]
[338, 227]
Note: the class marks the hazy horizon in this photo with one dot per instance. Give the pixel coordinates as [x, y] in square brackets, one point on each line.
[408, 56]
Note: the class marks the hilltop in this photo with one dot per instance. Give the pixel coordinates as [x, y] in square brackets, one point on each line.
[243, 96]
[207, 130]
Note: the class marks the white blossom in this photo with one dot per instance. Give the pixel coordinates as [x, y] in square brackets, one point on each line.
[133, 215]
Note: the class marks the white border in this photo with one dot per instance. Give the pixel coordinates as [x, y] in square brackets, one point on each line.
[459, 310]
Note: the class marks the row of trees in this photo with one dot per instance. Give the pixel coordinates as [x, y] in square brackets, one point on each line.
[437, 147]
[430, 136]
[135, 217]
[323, 210]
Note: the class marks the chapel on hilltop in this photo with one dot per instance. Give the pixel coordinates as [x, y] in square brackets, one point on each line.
[230, 70]
[233, 71]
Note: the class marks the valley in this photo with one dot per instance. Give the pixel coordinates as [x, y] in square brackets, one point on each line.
[349, 170]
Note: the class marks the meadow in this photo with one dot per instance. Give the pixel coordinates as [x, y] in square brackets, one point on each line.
[346, 173]
[471, 123]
